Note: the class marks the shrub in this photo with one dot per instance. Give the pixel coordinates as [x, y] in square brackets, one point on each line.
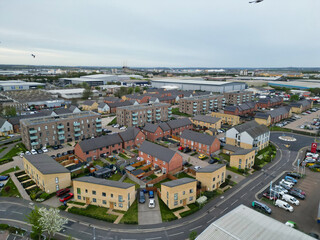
[210, 195]
[62, 207]
[7, 189]
[193, 235]
[44, 195]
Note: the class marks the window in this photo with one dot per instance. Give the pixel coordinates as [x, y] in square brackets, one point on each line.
[112, 195]
[57, 180]
[94, 192]
[191, 191]
[78, 191]
[120, 205]
[128, 196]
[94, 200]
[120, 198]
[213, 179]
[176, 196]
[184, 192]
[45, 127]
[104, 202]
[175, 203]
[167, 194]
[104, 194]
[190, 199]
[79, 197]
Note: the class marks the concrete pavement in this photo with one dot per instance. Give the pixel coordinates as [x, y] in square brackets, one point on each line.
[148, 215]
[21, 190]
[17, 161]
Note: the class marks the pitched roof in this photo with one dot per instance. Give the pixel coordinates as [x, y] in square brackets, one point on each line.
[242, 151]
[164, 126]
[179, 182]
[120, 104]
[302, 103]
[181, 122]
[46, 164]
[112, 99]
[101, 181]
[2, 121]
[88, 102]
[16, 120]
[211, 168]
[137, 172]
[129, 134]
[72, 108]
[155, 150]
[149, 127]
[252, 128]
[231, 148]
[262, 115]
[198, 137]
[273, 113]
[102, 105]
[60, 111]
[99, 142]
[241, 107]
[207, 119]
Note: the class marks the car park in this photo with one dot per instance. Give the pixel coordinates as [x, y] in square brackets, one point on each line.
[280, 189]
[261, 207]
[152, 203]
[284, 205]
[290, 179]
[142, 198]
[4, 178]
[62, 192]
[277, 192]
[290, 199]
[298, 190]
[269, 196]
[33, 152]
[66, 197]
[290, 184]
[284, 186]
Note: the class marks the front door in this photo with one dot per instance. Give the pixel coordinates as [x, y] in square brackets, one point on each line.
[87, 200]
[111, 205]
[184, 202]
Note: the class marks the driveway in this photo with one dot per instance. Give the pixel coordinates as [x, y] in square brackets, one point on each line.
[148, 215]
[65, 148]
[193, 160]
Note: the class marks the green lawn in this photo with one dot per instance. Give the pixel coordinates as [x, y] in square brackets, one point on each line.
[114, 121]
[123, 156]
[94, 212]
[131, 216]
[10, 170]
[136, 151]
[157, 185]
[275, 128]
[166, 214]
[115, 177]
[235, 170]
[193, 208]
[98, 162]
[14, 152]
[151, 177]
[183, 175]
[2, 149]
[225, 156]
[128, 180]
[13, 192]
[176, 111]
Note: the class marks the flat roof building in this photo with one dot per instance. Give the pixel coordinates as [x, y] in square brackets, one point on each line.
[12, 85]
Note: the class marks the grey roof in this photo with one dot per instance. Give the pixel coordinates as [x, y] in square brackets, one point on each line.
[252, 128]
[72, 108]
[271, 100]
[2, 121]
[178, 182]
[273, 113]
[262, 115]
[119, 104]
[207, 119]
[129, 134]
[137, 172]
[99, 142]
[210, 168]
[112, 99]
[155, 150]
[166, 98]
[302, 103]
[242, 107]
[149, 127]
[198, 137]
[164, 126]
[135, 96]
[16, 120]
[88, 102]
[181, 122]
[231, 148]
[60, 111]
[242, 151]
[46, 164]
[101, 181]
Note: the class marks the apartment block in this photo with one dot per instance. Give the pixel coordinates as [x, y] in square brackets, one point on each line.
[301, 106]
[48, 174]
[178, 193]
[139, 115]
[273, 116]
[53, 130]
[104, 193]
[270, 102]
[227, 118]
[201, 104]
[236, 98]
[211, 176]
[242, 109]
[240, 158]
[177, 126]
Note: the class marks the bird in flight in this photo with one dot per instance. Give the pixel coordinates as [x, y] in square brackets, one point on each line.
[256, 1]
[33, 55]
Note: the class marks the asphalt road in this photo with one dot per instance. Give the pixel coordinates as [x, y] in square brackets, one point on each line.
[81, 227]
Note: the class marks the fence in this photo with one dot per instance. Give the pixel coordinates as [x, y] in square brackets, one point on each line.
[135, 179]
[138, 164]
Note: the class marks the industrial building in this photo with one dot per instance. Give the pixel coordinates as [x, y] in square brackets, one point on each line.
[298, 84]
[71, 93]
[12, 85]
[199, 84]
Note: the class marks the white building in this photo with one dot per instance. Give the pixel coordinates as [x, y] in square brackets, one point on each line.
[12, 85]
[6, 128]
[71, 93]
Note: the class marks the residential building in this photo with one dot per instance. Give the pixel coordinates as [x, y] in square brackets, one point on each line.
[139, 115]
[199, 142]
[137, 97]
[104, 193]
[6, 128]
[227, 118]
[269, 102]
[177, 126]
[211, 176]
[133, 137]
[212, 131]
[201, 104]
[113, 106]
[273, 116]
[89, 105]
[249, 135]
[238, 97]
[111, 99]
[103, 108]
[301, 106]
[160, 157]
[204, 121]
[155, 132]
[242, 110]
[53, 130]
[178, 193]
[48, 174]
[239, 157]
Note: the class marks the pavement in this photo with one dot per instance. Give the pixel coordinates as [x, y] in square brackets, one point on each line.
[21, 190]
[148, 215]
[17, 161]
[10, 139]
[8, 148]
[14, 210]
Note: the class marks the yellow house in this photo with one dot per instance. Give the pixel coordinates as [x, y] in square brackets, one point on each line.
[104, 193]
[263, 119]
[204, 121]
[89, 105]
[301, 106]
[227, 118]
[178, 193]
[48, 174]
[211, 176]
[242, 159]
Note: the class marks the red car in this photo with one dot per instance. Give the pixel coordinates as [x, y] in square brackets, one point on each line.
[62, 192]
[67, 197]
[180, 148]
[269, 196]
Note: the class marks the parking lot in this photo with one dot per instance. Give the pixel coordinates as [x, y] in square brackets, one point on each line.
[305, 214]
[304, 120]
[149, 215]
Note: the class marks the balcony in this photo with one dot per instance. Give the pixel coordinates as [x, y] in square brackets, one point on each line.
[32, 131]
[134, 114]
[60, 126]
[98, 125]
[76, 124]
[169, 109]
[34, 143]
[158, 118]
[134, 118]
[98, 120]
[33, 137]
[61, 132]
[149, 111]
[169, 116]
[158, 110]
[98, 130]
[195, 103]
[77, 134]
[149, 120]
[77, 129]
[134, 123]
[61, 138]
[149, 116]
[194, 107]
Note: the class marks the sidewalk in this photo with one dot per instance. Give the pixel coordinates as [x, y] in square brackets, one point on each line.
[120, 215]
[17, 161]
[19, 186]
[177, 213]
[9, 147]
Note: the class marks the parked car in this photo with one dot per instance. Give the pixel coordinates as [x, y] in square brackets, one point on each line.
[151, 194]
[116, 126]
[123, 128]
[310, 160]
[59, 155]
[44, 149]
[269, 196]
[152, 203]
[290, 184]
[290, 199]
[61, 192]
[299, 190]
[261, 207]
[290, 179]
[212, 161]
[55, 147]
[53, 156]
[28, 153]
[1, 185]
[39, 151]
[142, 198]
[294, 175]
[33, 151]
[180, 148]
[67, 197]
[186, 150]
[197, 168]
[284, 205]
[284, 186]
[21, 154]
[297, 194]
[4, 178]
[60, 146]
[202, 156]
[280, 188]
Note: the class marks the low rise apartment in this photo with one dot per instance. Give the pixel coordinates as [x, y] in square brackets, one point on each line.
[200, 142]
[203, 121]
[269, 102]
[238, 97]
[177, 126]
[89, 105]
[155, 132]
[52, 130]
[227, 118]
[301, 106]
[139, 115]
[178, 193]
[273, 116]
[239, 157]
[242, 110]
[167, 160]
[48, 174]
[249, 135]
[104, 193]
[201, 104]
[211, 176]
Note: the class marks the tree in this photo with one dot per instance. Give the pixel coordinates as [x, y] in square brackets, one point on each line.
[137, 89]
[50, 221]
[193, 235]
[33, 219]
[87, 93]
[130, 90]
[10, 111]
[294, 98]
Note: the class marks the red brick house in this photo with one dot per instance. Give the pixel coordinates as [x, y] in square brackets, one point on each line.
[132, 137]
[242, 110]
[160, 157]
[179, 125]
[199, 142]
[155, 132]
[269, 102]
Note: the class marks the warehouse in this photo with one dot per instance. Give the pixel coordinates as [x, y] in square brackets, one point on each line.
[71, 93]
[299, 84]
[199, 84]
[19, 85]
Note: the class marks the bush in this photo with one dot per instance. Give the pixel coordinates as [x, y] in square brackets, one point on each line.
[28, 184]
[193, 208]
[94, 212]
[7, 189]
[210, 195]
[62, 207]
[17, 174]
[193, 235]
[44, 195]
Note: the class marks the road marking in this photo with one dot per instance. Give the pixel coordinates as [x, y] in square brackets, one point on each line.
[153, 238]
[259, 183]
[234, 202]
[252, 188]
[195, 228]
[211, 219]
[174, 234]
[16, 212]
[224, 210]
[243, 195]
[212, 209]
[85, 232]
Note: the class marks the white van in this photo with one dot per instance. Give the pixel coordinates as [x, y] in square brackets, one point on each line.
[289, 184]
[290, 199]
[284, 205]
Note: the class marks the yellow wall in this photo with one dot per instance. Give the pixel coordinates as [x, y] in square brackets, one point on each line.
[231, 141]
[235, 159]
[184, 194]
[111, 198]
[296, 109]
[227, 118]
[94, 106]
[265, 122]
[216, 125]
[212, 180]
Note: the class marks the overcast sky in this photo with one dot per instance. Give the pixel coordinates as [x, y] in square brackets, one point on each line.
[164, 33]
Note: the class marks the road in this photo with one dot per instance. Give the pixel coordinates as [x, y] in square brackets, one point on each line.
[80, 227]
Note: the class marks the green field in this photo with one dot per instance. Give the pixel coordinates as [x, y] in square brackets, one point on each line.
[131, 216]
